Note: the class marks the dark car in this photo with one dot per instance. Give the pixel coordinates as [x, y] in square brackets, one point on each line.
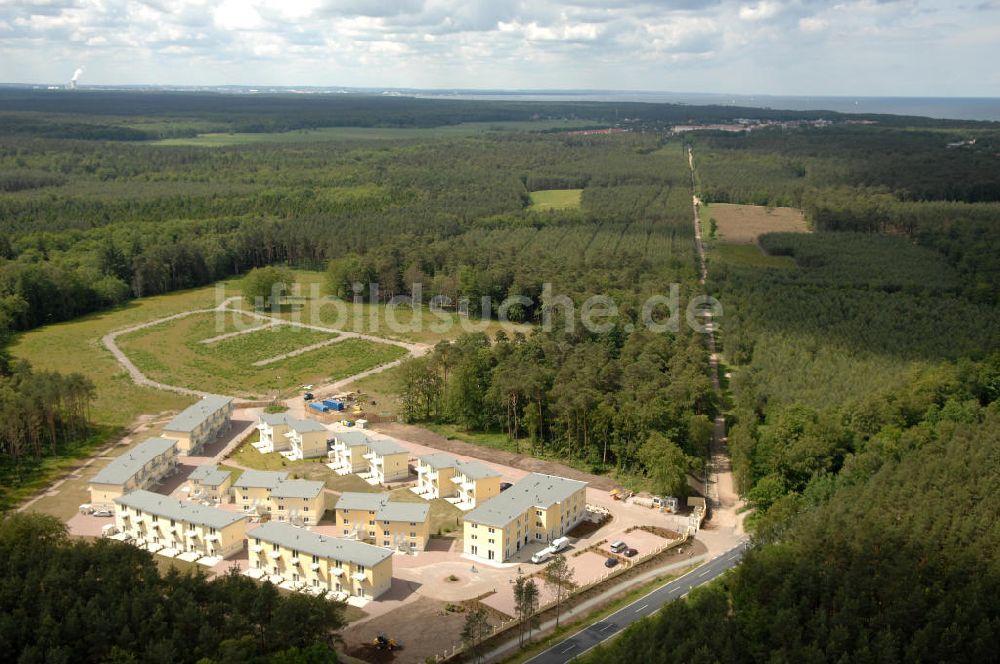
[610, 562]
[505, 485]
[308, 396]
[629, 553]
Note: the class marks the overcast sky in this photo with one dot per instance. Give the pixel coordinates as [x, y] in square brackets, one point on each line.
[808, 47]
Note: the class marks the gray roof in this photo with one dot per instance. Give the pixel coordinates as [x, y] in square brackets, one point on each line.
[305, 426]
[351, 438]
[439, 460]
[475, 470]
[384, 508]
[209, 475]
[171, 508]
[384, 446]
[260, 479]
[535, 490]
[298, 489]
[274, 419]
[188, 419]
[315, 544]
[123, 468]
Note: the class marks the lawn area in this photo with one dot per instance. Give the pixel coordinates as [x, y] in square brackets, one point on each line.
[380, 389]
[370, 133]
[172, 353]
[555, 199]
[309, 469]
[742, 224]
[750, 255]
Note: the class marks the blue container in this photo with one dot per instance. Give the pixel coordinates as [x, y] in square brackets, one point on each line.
[334, 404]
[319, 406]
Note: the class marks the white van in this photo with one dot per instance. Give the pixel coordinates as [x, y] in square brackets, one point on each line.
[558, 544]
[618, 547]
[541, 556]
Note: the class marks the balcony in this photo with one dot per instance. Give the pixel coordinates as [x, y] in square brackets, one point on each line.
[256, 548]
[274, 554]
[191, 533]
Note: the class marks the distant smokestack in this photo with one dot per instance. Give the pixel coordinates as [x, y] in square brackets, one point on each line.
[76, 77]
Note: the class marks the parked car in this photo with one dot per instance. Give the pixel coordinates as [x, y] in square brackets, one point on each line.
[618, 547]
[308, 396]
[558, 544]
[610, 562]
[631, 553]
[102, 513]
[541, 556]
[505, 485]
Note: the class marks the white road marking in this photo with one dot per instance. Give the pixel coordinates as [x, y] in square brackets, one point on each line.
[641, 608]
[607, 627]
[566, 650]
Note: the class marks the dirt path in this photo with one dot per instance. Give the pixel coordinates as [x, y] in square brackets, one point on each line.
[720, 490]
[524, 462]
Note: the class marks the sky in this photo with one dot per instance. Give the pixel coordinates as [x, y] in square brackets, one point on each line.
[779, 47]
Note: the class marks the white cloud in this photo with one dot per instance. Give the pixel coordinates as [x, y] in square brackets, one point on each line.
[776, 46]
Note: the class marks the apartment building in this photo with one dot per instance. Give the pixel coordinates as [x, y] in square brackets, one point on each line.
[476, 483]
[200, 424]
[142, 467]
[155, 521]
[373, 517]
[307, 439]
[253, 489]
[272, 428]
[387, 461]
[209, 482]
[348, 452]
[539, 508]
[305, 558]
[434, 473]
[298, 501]
[271, 492]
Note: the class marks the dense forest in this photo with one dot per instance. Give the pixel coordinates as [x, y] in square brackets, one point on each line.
[865, 386]
[865, 363]
[70, 600]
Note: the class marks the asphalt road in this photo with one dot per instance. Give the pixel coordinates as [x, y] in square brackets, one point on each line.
[588, 638]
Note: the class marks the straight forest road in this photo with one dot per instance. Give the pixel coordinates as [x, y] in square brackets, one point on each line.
[719, 493]
[588, 638]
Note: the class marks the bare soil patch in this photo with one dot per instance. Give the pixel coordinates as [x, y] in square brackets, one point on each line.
[743, 224]
[408, 625]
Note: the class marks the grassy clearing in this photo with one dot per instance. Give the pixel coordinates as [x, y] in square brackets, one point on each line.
[446, 519]
[401, 323]
[555, 199]
[370, 133]
[173, 353]
[742, 224]
[750, 255]
[380, 390]
[309, 469]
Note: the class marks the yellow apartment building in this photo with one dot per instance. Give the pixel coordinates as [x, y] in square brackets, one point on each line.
[298, 501]
[388, 461]
[307, 439]
[142, 467]
[348, 452]
[272, 428]
[308, 559]
[374, 518]
[252, 489]
[475, 483]
[539, 508]
[200, 424]
[155, 522]
[434, 473]
[209, 482]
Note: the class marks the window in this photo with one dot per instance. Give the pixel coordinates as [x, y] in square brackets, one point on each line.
[475, 537]
[316, 560]
[212, 531]
[493, 530]
[275, 547]
[347, 531]
[475, 525]
[385, 533]
[492, 541]
[475, 549]
[538, 524]
[538, 512]
[413, 523]
[413, 535]
[385, 542]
